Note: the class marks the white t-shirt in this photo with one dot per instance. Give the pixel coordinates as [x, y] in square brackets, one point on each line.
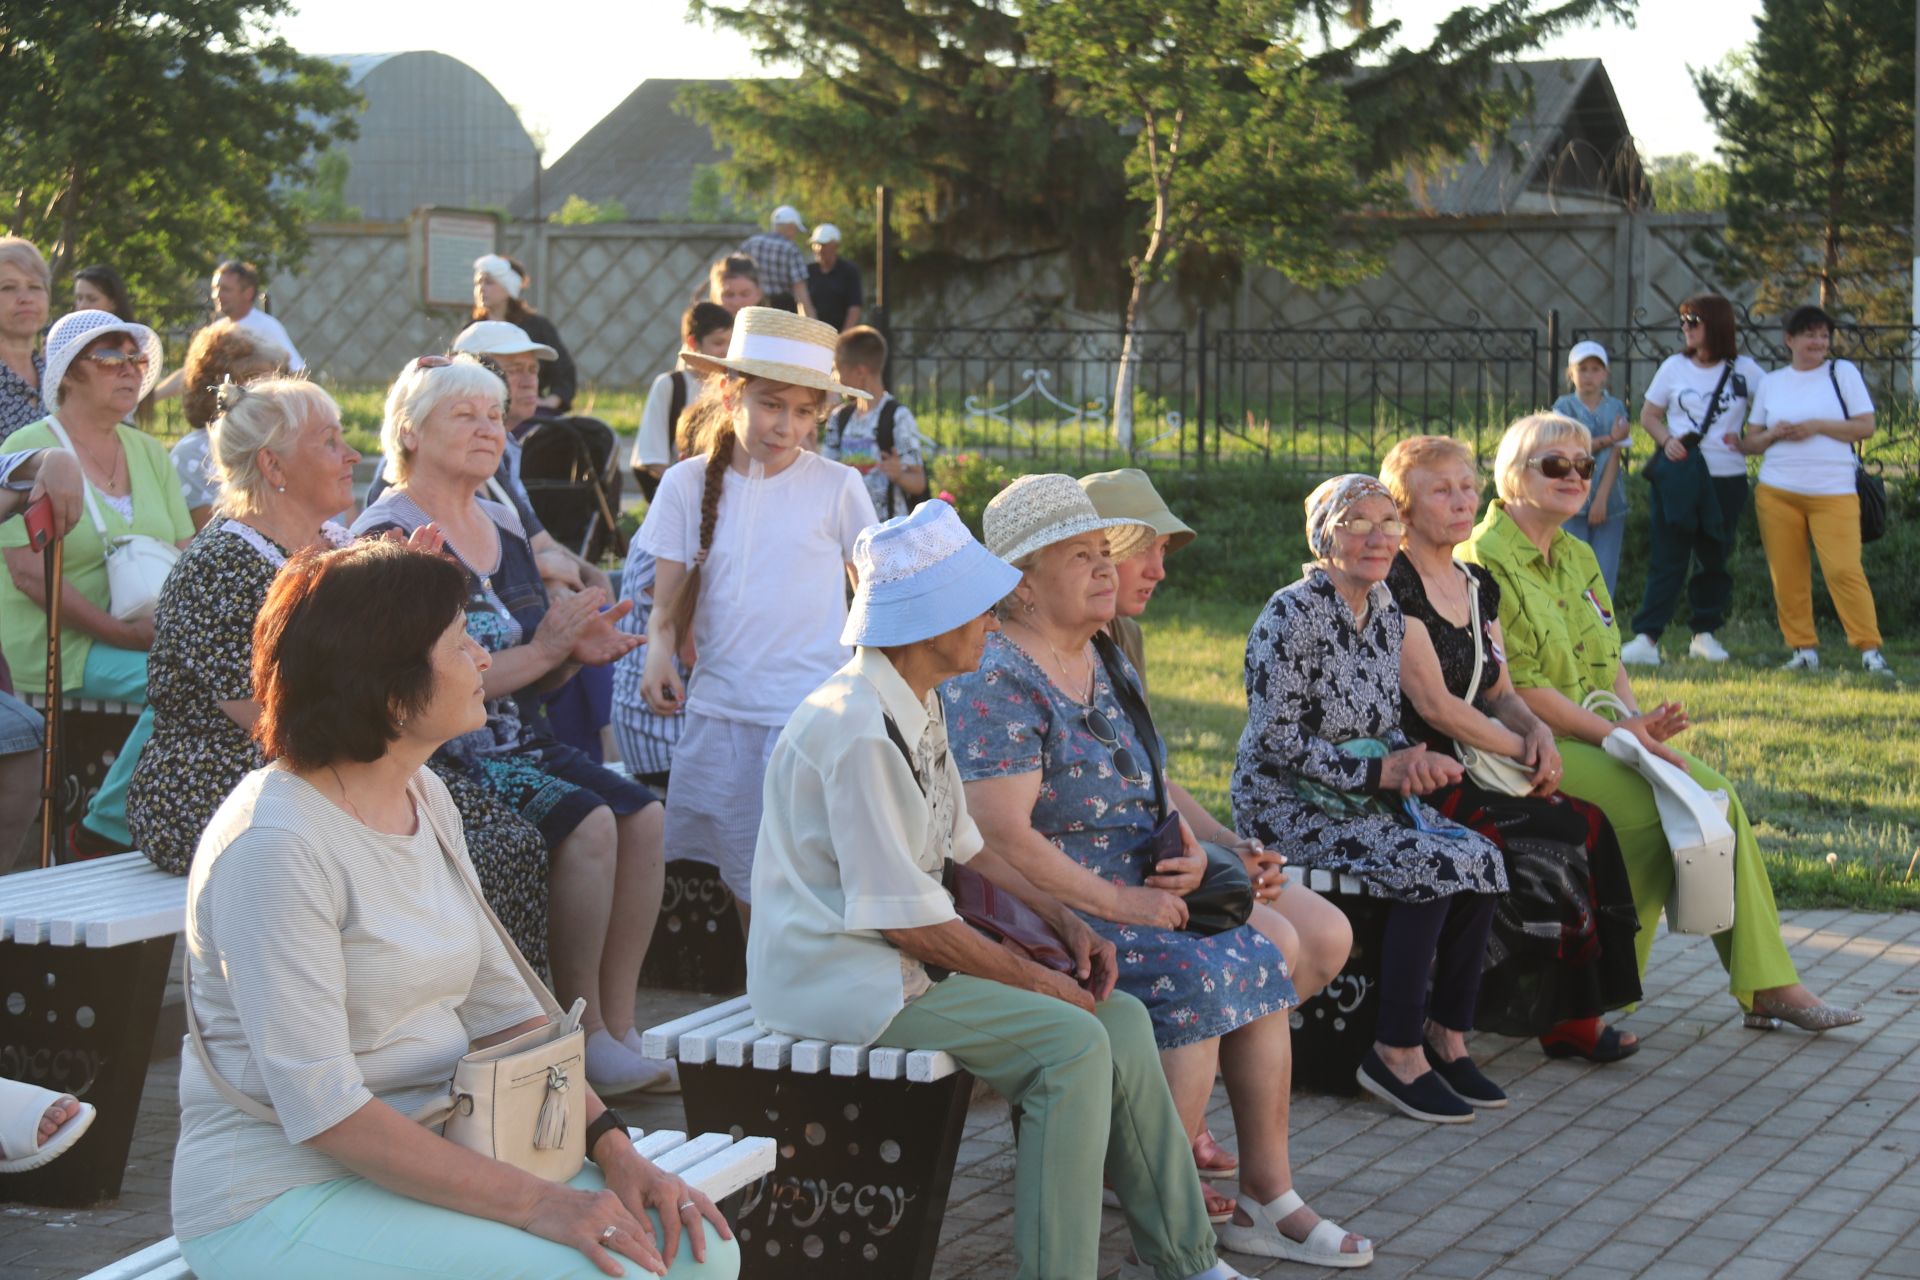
[1819, 466]
[276, 333]
[653, 443]
[773, 594]
[1683, 388]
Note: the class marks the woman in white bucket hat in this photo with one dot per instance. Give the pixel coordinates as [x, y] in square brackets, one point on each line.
[751, 535]
[98, 368]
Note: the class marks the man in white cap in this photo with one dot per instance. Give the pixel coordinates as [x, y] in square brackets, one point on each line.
[783, 268]
[855, 939]
[833, 282]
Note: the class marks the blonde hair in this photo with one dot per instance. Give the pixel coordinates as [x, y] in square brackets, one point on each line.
[21, 254]
[1523, 439]
[417, 392]
[1421, 451]
[267, 413]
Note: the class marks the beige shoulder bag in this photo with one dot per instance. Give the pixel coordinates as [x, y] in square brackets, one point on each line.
[513, 1101]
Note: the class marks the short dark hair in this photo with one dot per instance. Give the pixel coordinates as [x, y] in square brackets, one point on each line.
[343, 649]
[1801, 319]
[703, 318]
[245, 270]
[862, 346]
[1716, 317]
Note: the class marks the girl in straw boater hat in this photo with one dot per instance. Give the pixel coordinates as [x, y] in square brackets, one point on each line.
[752, 535]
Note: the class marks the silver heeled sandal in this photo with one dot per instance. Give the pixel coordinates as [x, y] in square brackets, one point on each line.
[1769, 1013]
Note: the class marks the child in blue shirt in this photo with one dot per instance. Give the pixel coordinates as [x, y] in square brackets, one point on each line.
[1601, 523]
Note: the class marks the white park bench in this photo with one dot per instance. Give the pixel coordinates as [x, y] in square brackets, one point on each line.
[867, 1139]
[88, 947]
[715, 1163]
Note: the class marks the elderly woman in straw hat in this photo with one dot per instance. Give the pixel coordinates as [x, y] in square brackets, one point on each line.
[98, 368]
[1065, 776]
[856, 940]
[1324, 766]
[751, 536]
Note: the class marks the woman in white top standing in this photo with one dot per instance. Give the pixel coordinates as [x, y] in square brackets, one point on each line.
[1810, 415]
[341, 964]
[752, 537]
[1698, 483]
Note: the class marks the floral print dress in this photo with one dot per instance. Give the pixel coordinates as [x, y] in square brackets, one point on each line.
[1315, 679]
[1009, 718]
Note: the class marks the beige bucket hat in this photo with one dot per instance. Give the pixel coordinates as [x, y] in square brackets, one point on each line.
[1129, 492]
[1038, 511]
[781, 346]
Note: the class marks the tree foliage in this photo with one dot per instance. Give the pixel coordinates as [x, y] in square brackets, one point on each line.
[160, 135]
[578, 211]
[1816, 126]
[1685, 183]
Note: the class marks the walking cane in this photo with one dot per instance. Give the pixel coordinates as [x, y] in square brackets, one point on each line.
[54, 559]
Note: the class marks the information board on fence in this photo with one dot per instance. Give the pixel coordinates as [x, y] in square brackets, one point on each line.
[445, 243]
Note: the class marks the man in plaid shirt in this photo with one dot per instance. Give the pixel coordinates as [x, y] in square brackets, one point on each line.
[783, 267]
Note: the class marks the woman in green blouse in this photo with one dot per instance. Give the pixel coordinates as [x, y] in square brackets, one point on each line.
[1562, 644]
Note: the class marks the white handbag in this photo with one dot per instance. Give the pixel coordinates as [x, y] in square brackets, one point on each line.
[512, 1101]
[1695, 823]
[137, 563]
[1489, 769]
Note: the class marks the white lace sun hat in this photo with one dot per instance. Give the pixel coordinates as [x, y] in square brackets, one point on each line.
[70, 335]
[921, 575]
[1038, 511]
[779, 346]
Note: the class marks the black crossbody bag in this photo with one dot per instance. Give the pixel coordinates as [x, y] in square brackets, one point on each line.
[1871, 488]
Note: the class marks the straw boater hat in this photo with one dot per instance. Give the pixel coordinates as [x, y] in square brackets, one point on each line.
[779, 346]
[1128, 492]
[921, 575]
[70, 335]
[1038, 511]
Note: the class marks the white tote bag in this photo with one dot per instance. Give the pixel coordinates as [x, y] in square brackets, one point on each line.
[137, 563]
[1695, 823]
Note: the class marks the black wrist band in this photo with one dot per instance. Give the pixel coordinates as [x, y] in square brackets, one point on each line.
[609, 1120]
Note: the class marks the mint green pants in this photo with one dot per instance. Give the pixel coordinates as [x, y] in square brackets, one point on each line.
[116, 675]
[1095, 1099]
[1752, 951]
[350, 1227]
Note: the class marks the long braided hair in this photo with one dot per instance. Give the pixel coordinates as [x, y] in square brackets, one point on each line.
[709, 430]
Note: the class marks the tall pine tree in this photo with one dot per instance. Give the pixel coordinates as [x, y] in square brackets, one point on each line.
[1816, 128]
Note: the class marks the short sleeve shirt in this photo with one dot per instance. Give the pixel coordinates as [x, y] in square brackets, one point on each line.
[1599, 422]
[1819, 466]
[1685, 390]
[858, 445]
[193, 463]
[834, 292]
[780, 261]
[20, 403]
[1556, 615]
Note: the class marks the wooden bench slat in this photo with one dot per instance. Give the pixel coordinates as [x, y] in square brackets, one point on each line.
[138, 1266]
[725, 1172]
[73, 921]
[886, 1064]
[693, 1151]
[810, 1056]
[734, 1049]
[924, 1066]
[663, 1041]
[772, 1051]
[656, 1144]
[157, 923]
[696, 1046]
[847, 1059]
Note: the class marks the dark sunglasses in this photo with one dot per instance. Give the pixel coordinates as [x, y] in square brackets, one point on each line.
[1689, 321]
[1104, 733]
[1557, 466]
[113, 358]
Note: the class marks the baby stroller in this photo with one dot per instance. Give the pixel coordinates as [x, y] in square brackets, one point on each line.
[572, 476]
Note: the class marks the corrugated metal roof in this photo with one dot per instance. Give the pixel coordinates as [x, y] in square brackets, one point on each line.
[643, 153]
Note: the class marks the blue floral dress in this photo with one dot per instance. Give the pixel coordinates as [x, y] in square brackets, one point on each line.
[1008, 718]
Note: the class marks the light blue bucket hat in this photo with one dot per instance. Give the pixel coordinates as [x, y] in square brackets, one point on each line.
[921, 575]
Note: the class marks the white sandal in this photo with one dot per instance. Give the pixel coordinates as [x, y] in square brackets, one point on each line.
[22, 1107]
[1264, 1238]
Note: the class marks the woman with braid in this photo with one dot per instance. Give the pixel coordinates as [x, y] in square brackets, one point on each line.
[752, 536]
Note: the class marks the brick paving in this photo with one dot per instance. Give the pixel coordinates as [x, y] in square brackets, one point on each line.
[1716, 1151]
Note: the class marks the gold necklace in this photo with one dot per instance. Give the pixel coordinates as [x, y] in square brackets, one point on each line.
[119, 457]
[1062, 662]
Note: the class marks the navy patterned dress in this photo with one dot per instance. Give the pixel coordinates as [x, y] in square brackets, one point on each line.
[1315, 680]
[1009, 718]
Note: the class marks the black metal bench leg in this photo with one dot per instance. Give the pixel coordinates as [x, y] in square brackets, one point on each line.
[80, 1020]
[863, 1174]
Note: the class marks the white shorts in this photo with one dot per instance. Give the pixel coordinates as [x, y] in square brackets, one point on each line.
[713, 808]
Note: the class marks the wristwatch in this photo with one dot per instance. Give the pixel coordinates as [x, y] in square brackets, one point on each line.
[609, 1119]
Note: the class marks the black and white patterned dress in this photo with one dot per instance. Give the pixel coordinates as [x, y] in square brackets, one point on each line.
[1315, 679]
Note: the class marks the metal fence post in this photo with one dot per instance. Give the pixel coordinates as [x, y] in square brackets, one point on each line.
[1553, 350]
[1200, 393]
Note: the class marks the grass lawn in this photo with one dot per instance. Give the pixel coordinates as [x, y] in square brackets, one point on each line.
[1827, 764]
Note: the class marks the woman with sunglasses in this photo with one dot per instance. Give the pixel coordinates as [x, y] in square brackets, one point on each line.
[1325, 772]
[1697, 481]
[1066, 785]
[98, 368]
[1561, 647]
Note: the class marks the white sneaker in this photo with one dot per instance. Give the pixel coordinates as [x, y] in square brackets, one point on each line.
[1706, 648]
[1803, 660]
[1641, 651]
[1875, 662]
[1130, 1269]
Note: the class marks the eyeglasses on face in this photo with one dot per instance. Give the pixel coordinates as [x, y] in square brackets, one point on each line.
[114, 358]
[1361, 528]
[1124, 761]
[1688, 320]
[1557, 466]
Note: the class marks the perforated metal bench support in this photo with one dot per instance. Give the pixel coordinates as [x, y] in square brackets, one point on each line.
[864, 1167]
[697, 945]
[80, 1020]
[1334, 1030]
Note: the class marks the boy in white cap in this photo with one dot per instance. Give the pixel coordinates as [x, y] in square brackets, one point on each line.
[1602, 523]
[783, 268]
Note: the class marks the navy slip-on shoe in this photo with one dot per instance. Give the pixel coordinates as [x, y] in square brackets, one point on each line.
[1466, 1080]
[1427, 1098]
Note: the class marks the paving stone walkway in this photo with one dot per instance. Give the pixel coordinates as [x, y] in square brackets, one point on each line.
[1716, 1151]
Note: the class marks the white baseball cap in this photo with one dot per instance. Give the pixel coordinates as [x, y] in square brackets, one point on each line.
[826, 233]
[1587, 351]
[500, 338]
[787, 215]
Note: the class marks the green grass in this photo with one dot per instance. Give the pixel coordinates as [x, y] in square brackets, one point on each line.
[1825, 764]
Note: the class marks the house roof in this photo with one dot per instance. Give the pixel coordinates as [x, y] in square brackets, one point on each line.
[643, 153]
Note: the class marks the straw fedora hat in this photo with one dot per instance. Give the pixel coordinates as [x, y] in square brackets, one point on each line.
[781, 347]
[1038, 511]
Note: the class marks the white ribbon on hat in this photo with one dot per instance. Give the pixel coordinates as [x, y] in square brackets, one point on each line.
[774, 350]
[498, 269]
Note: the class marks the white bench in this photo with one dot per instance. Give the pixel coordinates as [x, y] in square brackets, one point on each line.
[92, 731]
[87, 950]
[714, 1163]
[867, 1140]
